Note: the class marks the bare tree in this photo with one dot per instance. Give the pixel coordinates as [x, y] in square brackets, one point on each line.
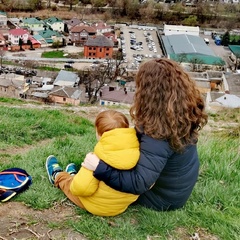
[2, 54]
[70, 3]
[100, 75]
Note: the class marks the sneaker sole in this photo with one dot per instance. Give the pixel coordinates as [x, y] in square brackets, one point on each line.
[49, 177]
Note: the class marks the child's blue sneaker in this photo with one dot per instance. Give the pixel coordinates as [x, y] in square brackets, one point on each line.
[52, 167]
[71, 169]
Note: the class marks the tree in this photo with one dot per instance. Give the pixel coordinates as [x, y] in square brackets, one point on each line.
[182, 57]
[71, 3]
[147, 11]
[99, 3]
[196, 64]
[226, 38]
[20, 43]
[94, 79]
[190, 21]
[2, 54]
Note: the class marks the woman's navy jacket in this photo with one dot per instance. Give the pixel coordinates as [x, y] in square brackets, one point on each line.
[163, 177]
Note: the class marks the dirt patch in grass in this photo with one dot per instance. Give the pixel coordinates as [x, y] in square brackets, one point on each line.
[18, 221]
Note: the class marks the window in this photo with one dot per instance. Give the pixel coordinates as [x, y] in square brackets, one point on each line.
[107, 49]
[100, 49]
[107, 54]
[90, 48]
[64, 99]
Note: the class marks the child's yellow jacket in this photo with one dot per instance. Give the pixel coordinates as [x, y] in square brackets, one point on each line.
[120, 149]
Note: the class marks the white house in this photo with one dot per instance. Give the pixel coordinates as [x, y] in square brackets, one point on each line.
[16, 34]
[55, 23]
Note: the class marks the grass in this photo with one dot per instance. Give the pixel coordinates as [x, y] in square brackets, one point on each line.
[53, 54]
[213, 208]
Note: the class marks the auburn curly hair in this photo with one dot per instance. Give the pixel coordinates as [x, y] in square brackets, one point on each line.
[167, 105]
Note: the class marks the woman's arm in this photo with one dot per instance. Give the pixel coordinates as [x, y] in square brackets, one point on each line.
[153, 157]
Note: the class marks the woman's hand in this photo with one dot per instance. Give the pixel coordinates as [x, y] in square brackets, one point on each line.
[91, 161]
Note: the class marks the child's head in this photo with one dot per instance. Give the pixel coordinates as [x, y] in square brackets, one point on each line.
[110, 119]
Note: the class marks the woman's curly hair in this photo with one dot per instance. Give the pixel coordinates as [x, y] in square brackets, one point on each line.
[167, 105]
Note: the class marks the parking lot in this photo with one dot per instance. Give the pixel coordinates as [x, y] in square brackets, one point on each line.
[139, 43]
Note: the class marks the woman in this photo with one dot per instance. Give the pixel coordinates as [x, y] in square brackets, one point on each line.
[168, 112]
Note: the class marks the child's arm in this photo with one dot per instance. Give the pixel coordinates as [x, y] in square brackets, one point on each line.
[84, 183]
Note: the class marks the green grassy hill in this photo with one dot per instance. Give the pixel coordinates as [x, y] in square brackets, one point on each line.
[28, 136]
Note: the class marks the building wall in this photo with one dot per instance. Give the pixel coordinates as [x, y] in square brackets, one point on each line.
[58, 26]
[179, 29]
[63, 100]
[9, 91]
[98, 52]
[15, 48]
[103, 102]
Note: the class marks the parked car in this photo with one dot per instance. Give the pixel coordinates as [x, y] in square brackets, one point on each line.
[68, 66]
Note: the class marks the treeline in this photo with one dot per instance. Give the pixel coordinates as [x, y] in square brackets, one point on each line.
[201, 14]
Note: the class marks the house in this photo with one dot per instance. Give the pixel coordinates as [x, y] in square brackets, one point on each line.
[112, 36]
[34, 42]
[98, 47]
[55, 24]
[65, 95]
[33, 24]
[41, 40]
[78, 35]
[13, 85]
[16, 34]
[110, 96]
[102, 27]
[66, 78]
[74, 22]
[51, 36]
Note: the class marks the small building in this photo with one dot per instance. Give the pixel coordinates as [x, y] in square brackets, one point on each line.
[98, 47]
[110, 96]
[13, 85]
[65, 95]
[51, 36]
[66, 78]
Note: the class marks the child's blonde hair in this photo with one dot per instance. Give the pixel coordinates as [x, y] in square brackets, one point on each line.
[110, 119]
